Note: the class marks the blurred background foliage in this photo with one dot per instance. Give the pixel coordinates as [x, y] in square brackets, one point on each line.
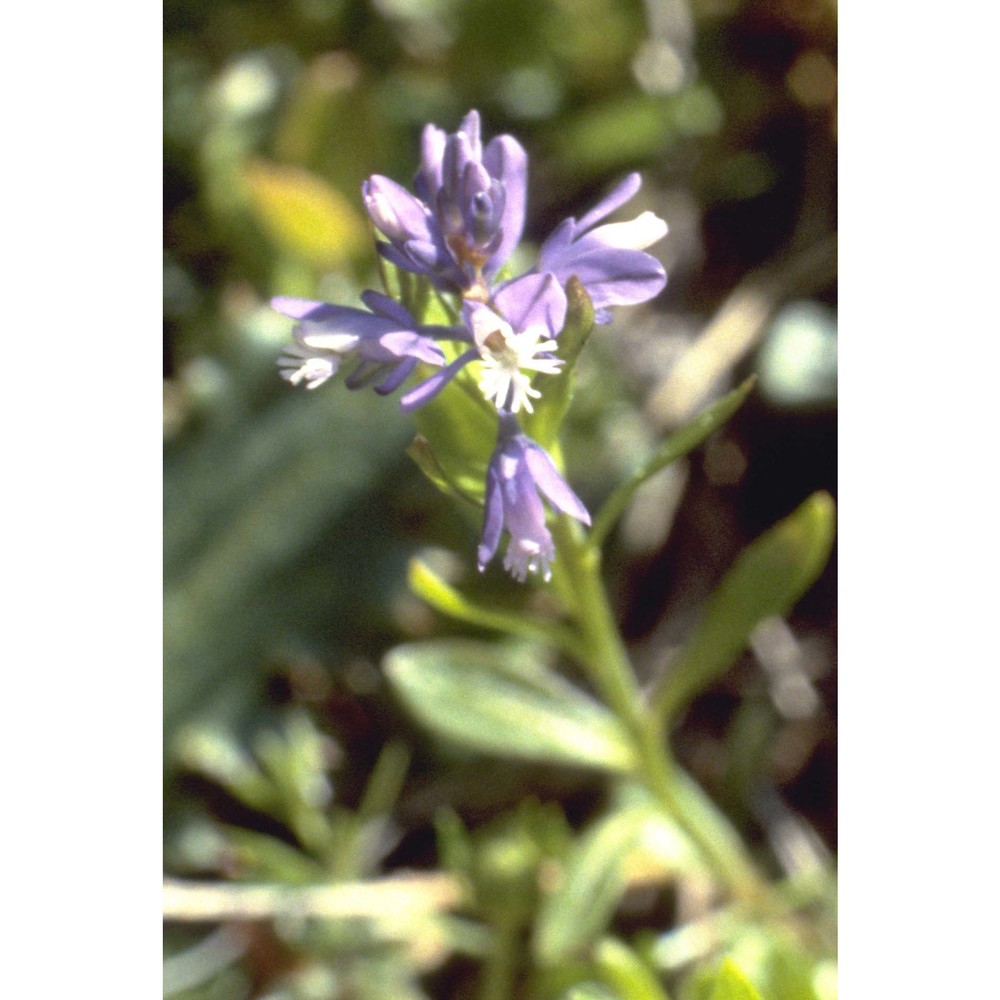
[290, 517]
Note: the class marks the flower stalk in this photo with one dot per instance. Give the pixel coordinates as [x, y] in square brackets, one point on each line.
[607, 666]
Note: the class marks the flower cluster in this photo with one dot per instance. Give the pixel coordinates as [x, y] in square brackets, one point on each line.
[456, 232]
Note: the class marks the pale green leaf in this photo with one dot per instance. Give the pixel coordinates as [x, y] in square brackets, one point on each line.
[503, 700]
[590, 887]
[440, 595]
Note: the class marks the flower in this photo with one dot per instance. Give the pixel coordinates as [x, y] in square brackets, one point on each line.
[518, 470]
[512, 336]
[387, 342]
[505, 354]
[467, 215]
[608, 260]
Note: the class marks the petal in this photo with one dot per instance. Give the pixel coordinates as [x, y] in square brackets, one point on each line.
[471, 129]
[492, 517]
[340, 343]
[483, 322]
[395, 211]
[407, 344]
[428, 181]
[557, 243]
[533, 300]
[397, 376]
[303, 308]
[320, 323]
[426, 254]
[398, 258]
[548, 480]
[643, 231]
[523, 509]
[620, 194]
[366, 372]
[614, 277]
[507, 161]
[430, 387]
[382, 305]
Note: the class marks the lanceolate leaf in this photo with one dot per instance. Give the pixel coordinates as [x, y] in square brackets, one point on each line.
[443, 597]
[591, 885]
[767, 579]
[502, 700]
[676, 446]
[731, 984]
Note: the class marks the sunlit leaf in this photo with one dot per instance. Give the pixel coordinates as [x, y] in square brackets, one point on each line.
[589, 889]
[502, 700]
[305, 216]
[626, 972]
[731, 984]
[441, 596]
[767, 579]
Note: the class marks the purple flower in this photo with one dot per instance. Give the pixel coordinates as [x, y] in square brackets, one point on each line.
[467, 215]
[512, 337]
[518, 471]
[386, 341]
[608, 260]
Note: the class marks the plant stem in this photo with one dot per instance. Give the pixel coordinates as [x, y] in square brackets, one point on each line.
[501, 964]
[607, 665]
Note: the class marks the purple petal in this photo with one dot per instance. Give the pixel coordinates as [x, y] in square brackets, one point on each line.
[432, 143]
[458, 334]
[430, 387]
[507, 161]
[531, 300]
[620, 194]
[406, 344]
[614, 277]
[394, 210]
[471, 129]
[558, 242]
[425, 253]
[397, 376]
[548, 480]
[398, 258]
[524, 513]
[316, 312]
[382, 305]
[363, 374]
[492, 517]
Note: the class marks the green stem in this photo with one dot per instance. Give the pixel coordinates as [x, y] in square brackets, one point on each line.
[607, 665]
[501, 964]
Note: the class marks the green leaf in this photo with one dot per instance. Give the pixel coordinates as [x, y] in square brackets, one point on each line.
[457, 435]
[689, 437]
[425, 583]
[502, 700]
[592, 883]
[557, 390]
[621, 968]
[731, 984]
[767, 579]
[306, 216]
